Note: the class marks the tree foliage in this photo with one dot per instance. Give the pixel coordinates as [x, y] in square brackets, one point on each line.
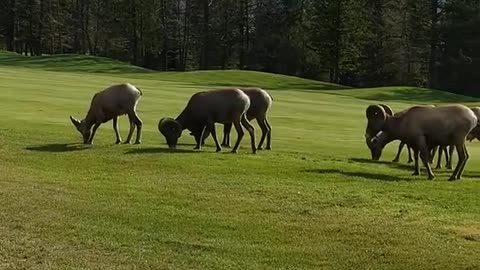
[356, 42]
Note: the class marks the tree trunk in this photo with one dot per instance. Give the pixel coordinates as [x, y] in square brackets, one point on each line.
[10, 25]
[432, 70]
[204, 62]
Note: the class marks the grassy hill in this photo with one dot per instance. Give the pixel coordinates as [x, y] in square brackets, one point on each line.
[315, 201]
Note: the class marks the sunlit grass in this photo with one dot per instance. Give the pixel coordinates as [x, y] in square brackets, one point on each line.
[314, 201]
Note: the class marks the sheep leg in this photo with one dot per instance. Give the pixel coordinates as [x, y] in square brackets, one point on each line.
[226, 134]
[467, 156]
[450, 158]
[139, 124]
[447, 156]
[433, 151]
[211, 127]
[130, 133]
[269, 135]
[462, 159]
[400, 148]
[416, 170]
[115, 128]
[410, 160]
[425, 156]
[264, 127]
[251, 131]
[199, 140]
[95, 127]
[439, 160]
[240, 133]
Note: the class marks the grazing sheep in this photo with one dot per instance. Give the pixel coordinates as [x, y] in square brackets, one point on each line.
[369, 136]
[204, 109]
[108, 104]
[422, 128]
[260, 103]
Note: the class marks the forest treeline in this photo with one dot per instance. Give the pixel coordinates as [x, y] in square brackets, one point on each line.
[431, 43]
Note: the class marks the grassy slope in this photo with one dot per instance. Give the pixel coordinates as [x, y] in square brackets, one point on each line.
[315, 201]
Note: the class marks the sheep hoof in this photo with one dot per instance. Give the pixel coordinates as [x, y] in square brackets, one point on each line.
[118, 142]
[410, 161]
[234, 151]
[127, 142]
[416, 173]
[259, 148]
[452, 179]
[268, 148]
[138, 142]
[431, 177]
[395, 160]
[438, 167]
[218, 150]
[197, 147]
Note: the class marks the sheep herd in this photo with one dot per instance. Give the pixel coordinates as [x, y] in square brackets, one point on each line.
[423, 129]
[227, 106]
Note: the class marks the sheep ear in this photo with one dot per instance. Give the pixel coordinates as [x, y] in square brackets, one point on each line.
[74, 121]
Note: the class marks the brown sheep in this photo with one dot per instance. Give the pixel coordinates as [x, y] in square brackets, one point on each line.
[260, 103]
[203, 110]
[109, 104]
[422, 128]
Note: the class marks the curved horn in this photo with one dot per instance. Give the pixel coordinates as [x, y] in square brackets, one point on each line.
[168, 124]
[387, 109]
[376, 112]
[163, 121]
[74, 121]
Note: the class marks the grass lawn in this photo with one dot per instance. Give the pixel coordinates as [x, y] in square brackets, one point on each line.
[315, 201]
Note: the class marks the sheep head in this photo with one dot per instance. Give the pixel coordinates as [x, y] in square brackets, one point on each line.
[82, 128]
[376, 117]
[377, 143]
[171, 129]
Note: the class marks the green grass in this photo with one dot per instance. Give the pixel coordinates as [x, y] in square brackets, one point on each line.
[313, 202]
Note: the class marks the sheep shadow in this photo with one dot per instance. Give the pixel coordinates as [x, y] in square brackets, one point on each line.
[398, 165]
[158, 150]
[371, 176]
[58, 147]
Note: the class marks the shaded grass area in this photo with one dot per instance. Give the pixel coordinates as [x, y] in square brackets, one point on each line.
[69, 63]
[315, 201]
[407, 94]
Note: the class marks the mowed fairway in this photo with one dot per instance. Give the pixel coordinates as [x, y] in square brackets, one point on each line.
[315, 201]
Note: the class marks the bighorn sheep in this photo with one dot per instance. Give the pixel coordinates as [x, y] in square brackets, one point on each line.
[108, 104]
[474, 134]
[369, 136]
[203, 110]
[260, 103]
[422, 128]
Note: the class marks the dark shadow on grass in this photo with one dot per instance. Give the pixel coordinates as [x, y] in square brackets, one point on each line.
[187, 144]
[58, 147]
[471, 174]
[159, 150]
[372, 176]
[397, 165]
